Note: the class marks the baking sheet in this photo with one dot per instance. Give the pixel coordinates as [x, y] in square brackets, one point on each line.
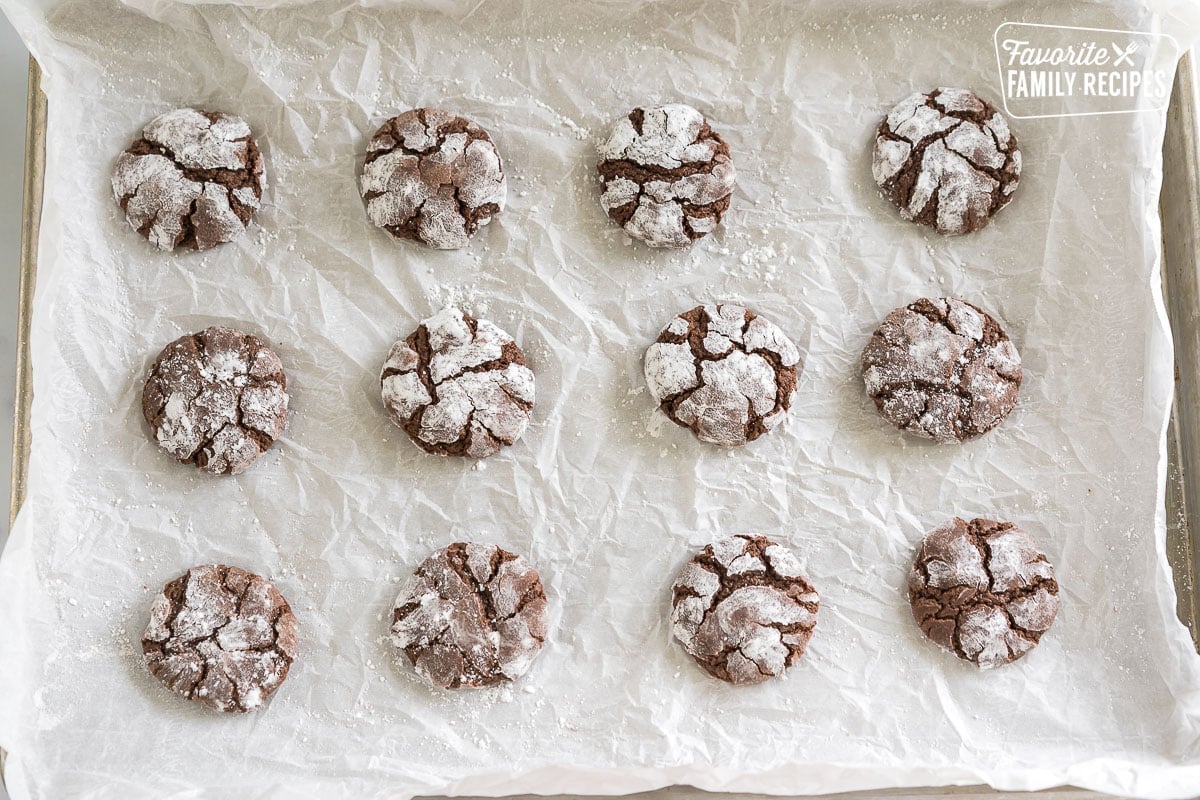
[345, 506]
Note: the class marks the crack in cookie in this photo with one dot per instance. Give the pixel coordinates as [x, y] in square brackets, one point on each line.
[217, 399]
[667, 176]
[192, 181]
[983, 590]
[221, 637]
[946, 159]
[943, 369]
[742, 609]
[724, 372]
[471, 615]
[432, 177]
[458, 386]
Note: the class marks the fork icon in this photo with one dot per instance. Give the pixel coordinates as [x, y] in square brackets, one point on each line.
[1124, 55]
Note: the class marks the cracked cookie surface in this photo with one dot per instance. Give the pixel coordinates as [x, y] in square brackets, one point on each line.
[946, 159]
[217, 399]
[432, 177]
[667, 177]
[943, 369]
[193, 180]
[458, 386]
[221, 637]
[743, 610]
[471, 615]
[983, 590]
[724, 372]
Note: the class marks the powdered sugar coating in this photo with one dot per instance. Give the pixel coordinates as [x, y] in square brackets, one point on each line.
[743, 610]
[433, 177]
[217, 399]
[471, 615]
[947, 159]
[221, 637]
[943, 369]
[667, 177]
[983, 590]
[458, 386]
[193, 180]
[724, 372]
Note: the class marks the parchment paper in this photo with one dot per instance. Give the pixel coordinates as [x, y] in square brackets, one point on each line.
[605, 497]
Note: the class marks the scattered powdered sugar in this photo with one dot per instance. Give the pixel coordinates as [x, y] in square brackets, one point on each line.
[667, 177]
[723, 371]
[458, 386]
[193, 180]
[433, 177]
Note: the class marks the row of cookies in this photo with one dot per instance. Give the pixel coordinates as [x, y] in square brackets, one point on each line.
[475, 615]
[946, 158]
[941, 368]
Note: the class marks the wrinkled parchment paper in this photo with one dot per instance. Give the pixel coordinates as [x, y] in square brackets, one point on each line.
[603, 496]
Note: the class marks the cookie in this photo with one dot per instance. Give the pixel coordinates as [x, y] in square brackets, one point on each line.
[458, 386]
[743, 610]
[946, 159]
[667, 176]
[943, 369]
[724, 372]
[983, 590]
[193, 180]
[432, 177]
[221, 637]
[217, 399]
[471, 615]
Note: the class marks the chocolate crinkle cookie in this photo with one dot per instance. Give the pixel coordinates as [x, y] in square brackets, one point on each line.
[983, 590]
[946, 159]
[667, 176]
[471, 615]
[458, 386]
[432, 177]
[217, 399]
[192, 181]
[943, 369]
[743, 610]
[221, 637]
[724, 372]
